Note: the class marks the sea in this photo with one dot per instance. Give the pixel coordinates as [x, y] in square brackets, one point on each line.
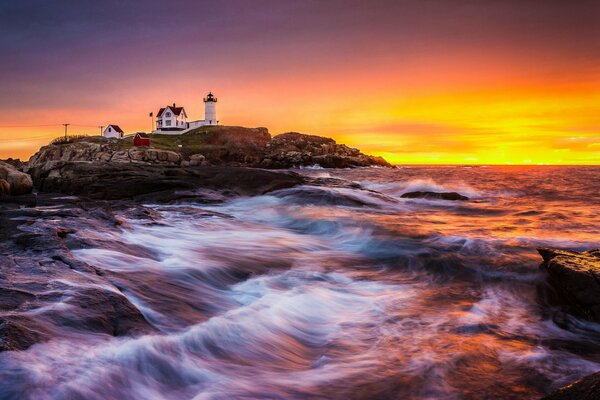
[341, 290]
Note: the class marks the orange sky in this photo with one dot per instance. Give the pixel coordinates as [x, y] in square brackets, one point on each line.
[481, 84]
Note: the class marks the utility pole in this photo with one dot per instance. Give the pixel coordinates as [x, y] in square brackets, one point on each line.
[101, 129]
[66, 125]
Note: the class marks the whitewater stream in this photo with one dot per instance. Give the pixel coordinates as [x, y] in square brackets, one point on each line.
[338, 292]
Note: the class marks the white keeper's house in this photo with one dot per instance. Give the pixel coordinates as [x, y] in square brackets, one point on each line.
[113, 131]
[173, 119]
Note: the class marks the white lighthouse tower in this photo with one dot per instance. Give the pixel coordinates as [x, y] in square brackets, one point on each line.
[210, 109]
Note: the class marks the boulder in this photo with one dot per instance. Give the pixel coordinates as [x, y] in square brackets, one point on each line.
[587, 388]
[573, 281]
[14, 182]
[452, 196]
[196, 159]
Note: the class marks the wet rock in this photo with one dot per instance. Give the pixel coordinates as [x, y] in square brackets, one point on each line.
[573, 281]
[98, 180]
[104, 311]
[45, 289]
[452, 196]
[587, 388]
[20, 333]
[320, 196]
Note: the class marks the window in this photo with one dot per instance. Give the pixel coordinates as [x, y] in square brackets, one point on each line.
[168, 115]
[110, 129]
[168, 122]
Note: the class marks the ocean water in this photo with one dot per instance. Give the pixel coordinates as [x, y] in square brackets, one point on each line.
[340, 292]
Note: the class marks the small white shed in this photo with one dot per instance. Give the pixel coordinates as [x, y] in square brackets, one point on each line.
[113, 131]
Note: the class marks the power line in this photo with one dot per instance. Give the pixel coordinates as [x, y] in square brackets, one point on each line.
[26, 139]
[27, 126]
[44, 126]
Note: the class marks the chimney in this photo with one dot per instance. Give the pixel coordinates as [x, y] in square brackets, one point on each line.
[173, 104]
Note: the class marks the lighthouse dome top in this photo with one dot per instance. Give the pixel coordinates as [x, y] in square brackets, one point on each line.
[210, 97]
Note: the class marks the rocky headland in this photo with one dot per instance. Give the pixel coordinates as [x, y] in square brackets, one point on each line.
[216, 146]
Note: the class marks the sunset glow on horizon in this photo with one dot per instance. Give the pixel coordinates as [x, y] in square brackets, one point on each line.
[431, 82]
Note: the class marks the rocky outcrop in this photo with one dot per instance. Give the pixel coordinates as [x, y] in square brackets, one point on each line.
[220, 145]
[15, 162]
[37, 270]
[453, 196]
[92, 150]
[147, 155]
[573, 281]
[98, 180]
[587, 388]
[294, 149]
[102, 151]
[14, 182]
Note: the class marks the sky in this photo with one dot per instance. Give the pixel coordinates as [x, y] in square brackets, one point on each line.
[418, 82]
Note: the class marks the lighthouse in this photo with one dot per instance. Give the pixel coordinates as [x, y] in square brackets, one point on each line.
[210, 109]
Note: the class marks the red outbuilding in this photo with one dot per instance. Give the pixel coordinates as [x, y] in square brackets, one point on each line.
[141, 139]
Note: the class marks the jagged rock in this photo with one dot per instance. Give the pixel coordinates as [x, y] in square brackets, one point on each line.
[14, 182]
[103, 151]
[574, 281]
[587, 388]
[120, 156]
[296, 149]
[453, 196]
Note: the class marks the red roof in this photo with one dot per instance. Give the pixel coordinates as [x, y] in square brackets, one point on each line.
[176, 110]
[116, 128]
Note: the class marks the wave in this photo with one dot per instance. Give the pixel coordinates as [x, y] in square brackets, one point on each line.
[396, 189]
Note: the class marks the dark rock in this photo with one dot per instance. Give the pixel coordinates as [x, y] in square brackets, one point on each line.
[435, 196]
[104, 311]
[15, 162]
[19, 333]
[98, 180]
[587, 388]
[573, 281]
[37, 269]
